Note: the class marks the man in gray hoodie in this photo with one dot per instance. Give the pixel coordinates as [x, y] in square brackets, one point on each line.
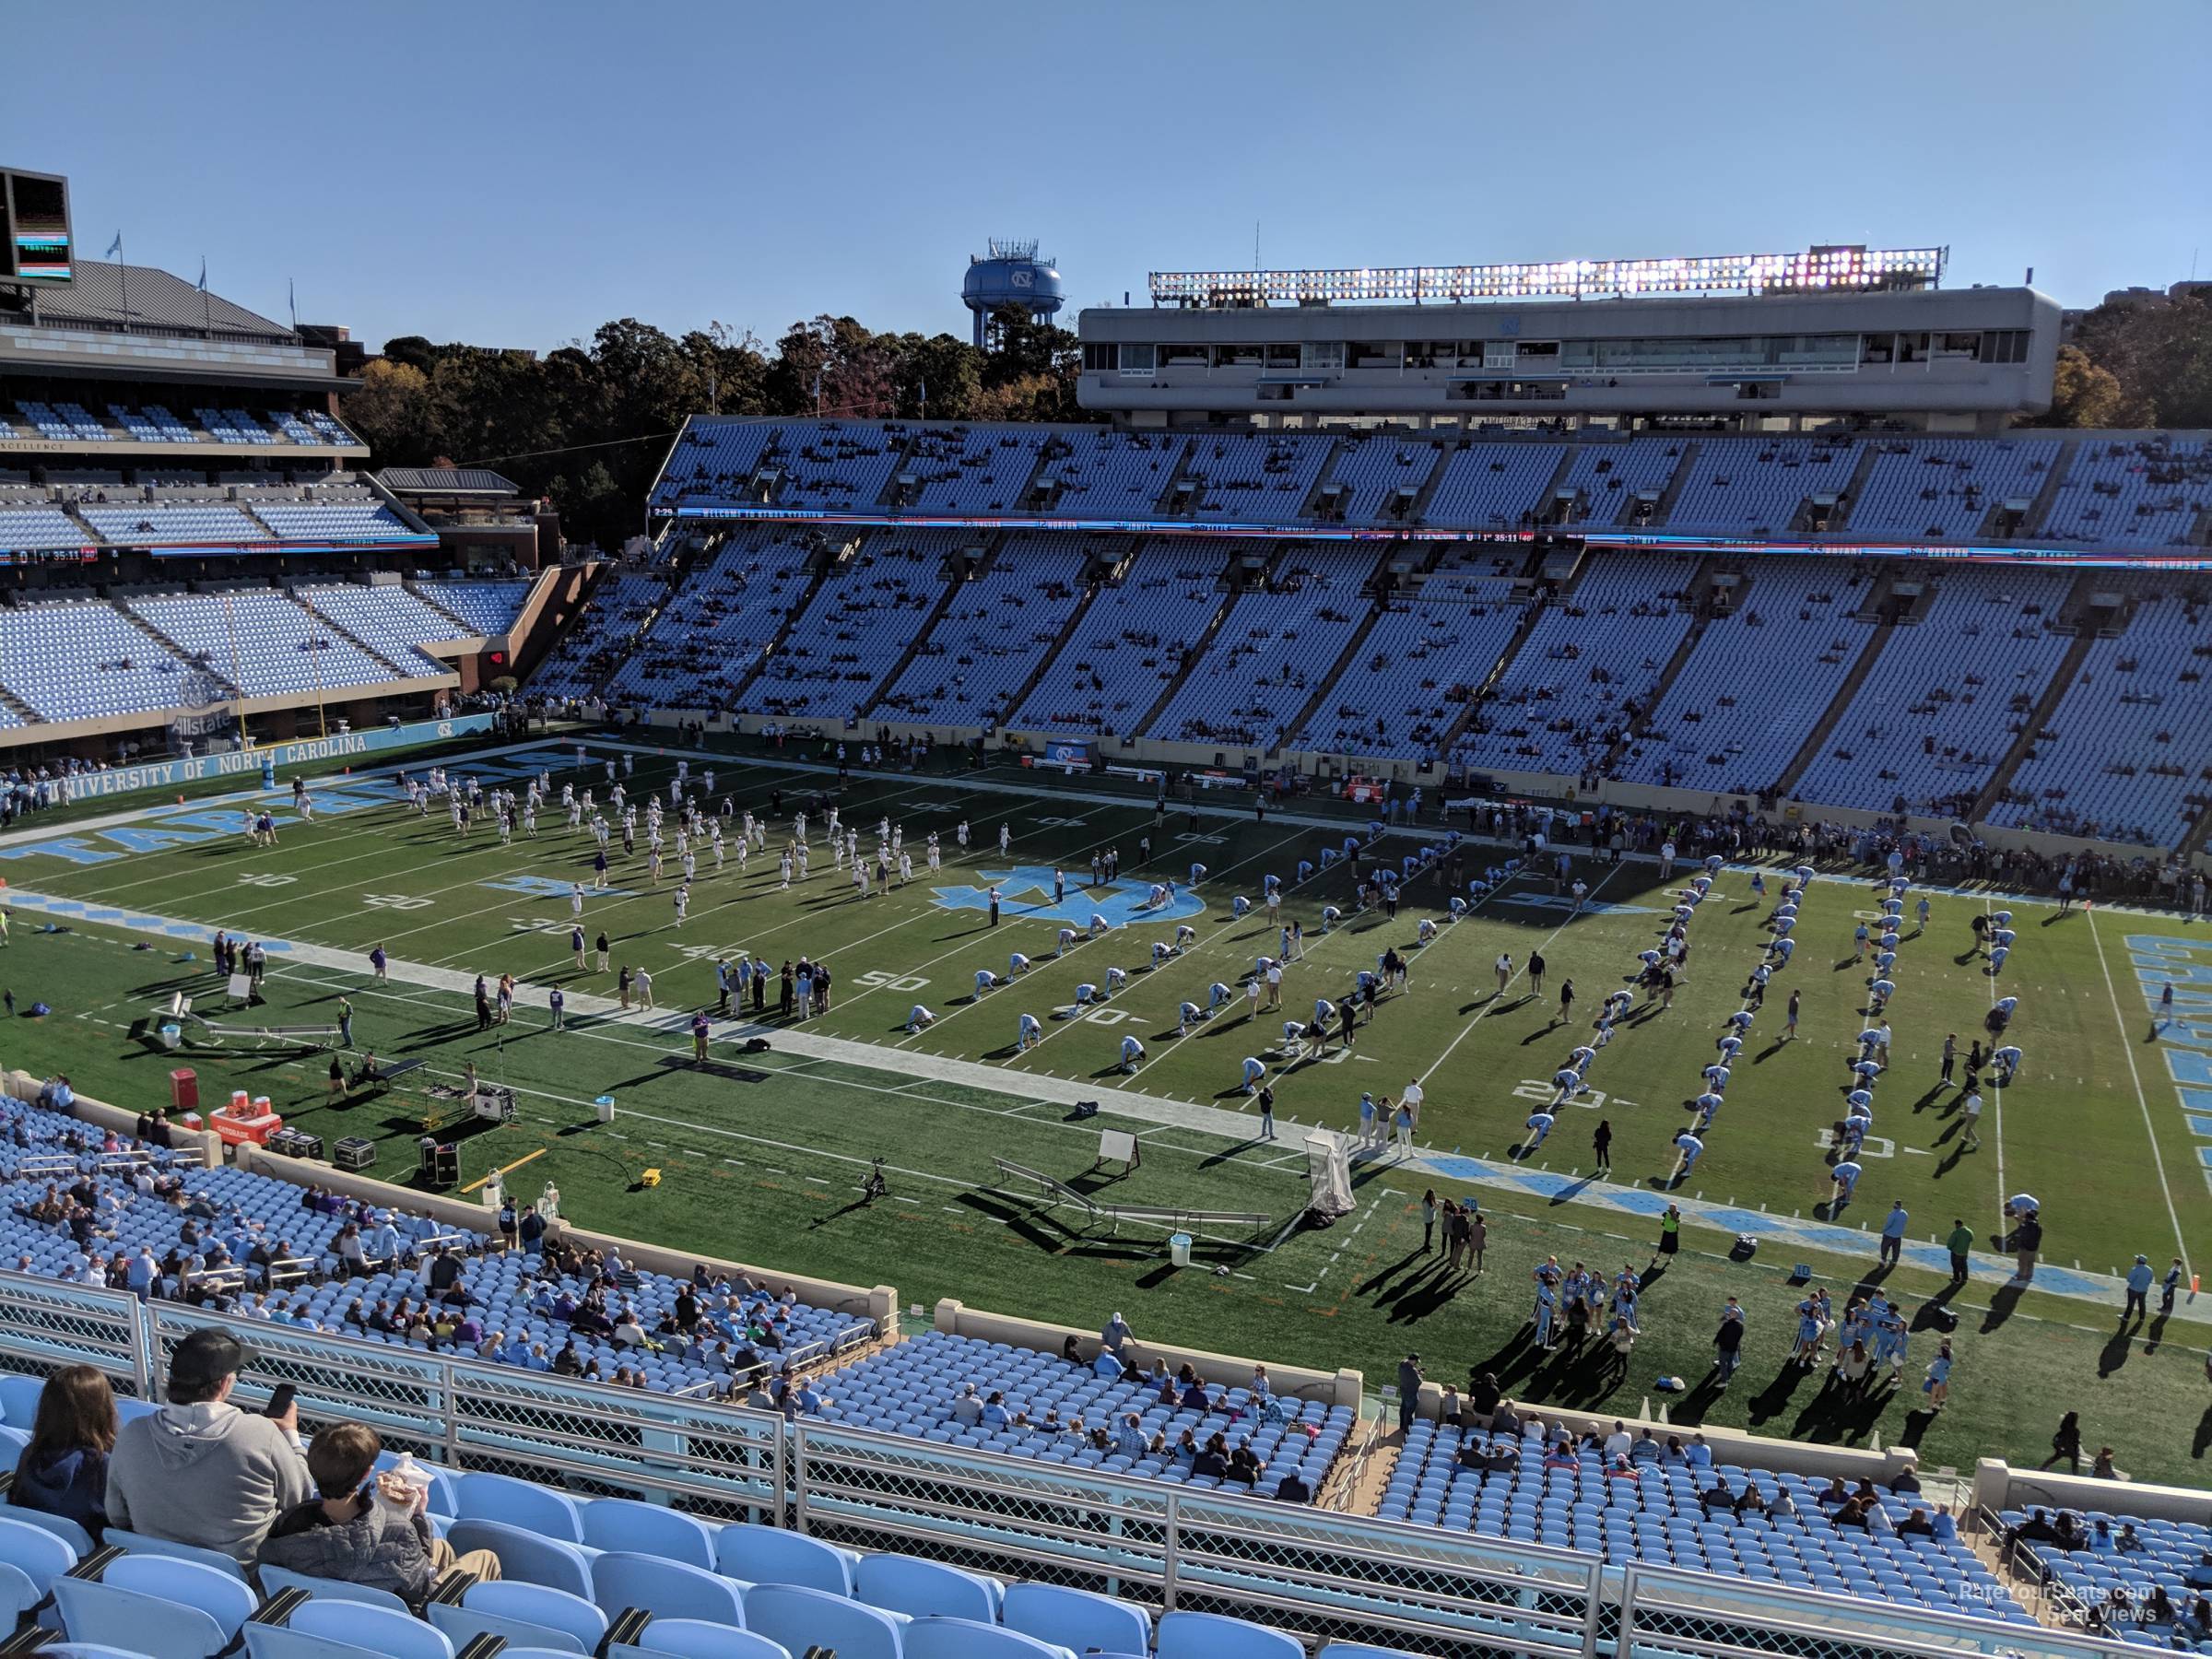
[200, 1471]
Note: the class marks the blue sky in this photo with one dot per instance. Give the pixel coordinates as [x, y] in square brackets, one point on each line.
[513, 175]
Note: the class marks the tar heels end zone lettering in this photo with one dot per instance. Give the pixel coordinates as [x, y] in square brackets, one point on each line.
[1028, 889]
[2161, 961]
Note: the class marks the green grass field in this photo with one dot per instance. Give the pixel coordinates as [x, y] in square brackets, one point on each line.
[767, 1169]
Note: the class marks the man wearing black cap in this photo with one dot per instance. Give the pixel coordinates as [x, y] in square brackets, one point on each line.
[200, 1471]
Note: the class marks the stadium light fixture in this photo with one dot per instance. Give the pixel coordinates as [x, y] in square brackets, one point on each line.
[1847, 268]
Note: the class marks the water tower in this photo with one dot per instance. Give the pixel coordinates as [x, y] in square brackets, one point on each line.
[1011, 274]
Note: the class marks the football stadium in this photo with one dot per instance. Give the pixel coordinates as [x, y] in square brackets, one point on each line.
[1493, 959]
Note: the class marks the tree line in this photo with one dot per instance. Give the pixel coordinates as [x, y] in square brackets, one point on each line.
[2138, 360]
[589, 424]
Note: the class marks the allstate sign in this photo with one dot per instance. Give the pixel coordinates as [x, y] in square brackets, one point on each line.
[1028, 889]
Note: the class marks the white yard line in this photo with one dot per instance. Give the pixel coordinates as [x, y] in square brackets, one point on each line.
[1518, 969]
[2127, 1047]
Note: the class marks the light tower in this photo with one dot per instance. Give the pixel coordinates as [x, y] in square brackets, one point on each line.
[1010, 273]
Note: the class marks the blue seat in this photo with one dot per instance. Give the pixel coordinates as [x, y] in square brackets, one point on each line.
[924, 1589]
[396, 1635]
[1081, 1619]
[648, 1529]
[965, 1638]
[279, 1642]
[1213, 1635]
[573, 1615]
[525, 1556]
[275, 1579]
[766, 1554]
[664, 1589]
[463, 1625]
[688, 1638]
[801, 1618]
[117, 1614]
[61, 1526]
[19, 1400]
[39, 1555]
[18, 1596]
[513, 1503]
[140, 1543]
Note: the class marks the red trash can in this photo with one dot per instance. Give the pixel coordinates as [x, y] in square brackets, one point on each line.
[184, 1089]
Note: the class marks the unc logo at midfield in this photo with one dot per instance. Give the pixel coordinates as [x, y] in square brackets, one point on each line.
[1028, 889]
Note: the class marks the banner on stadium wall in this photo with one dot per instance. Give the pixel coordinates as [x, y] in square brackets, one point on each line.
[254, 762]
[1069, 751]
[1364, 789]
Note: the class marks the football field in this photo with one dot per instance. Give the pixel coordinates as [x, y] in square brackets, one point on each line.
[760, 1153]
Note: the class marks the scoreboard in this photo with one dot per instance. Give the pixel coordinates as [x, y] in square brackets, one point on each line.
[35, 249]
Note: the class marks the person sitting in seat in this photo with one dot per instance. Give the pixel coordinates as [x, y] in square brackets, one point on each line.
[371, 1532]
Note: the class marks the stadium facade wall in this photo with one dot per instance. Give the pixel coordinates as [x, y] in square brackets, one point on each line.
[1545, 786]
[247, 764]
[1999, 1486]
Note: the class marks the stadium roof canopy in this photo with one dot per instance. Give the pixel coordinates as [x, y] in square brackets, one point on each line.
[158, 301]
[446, 480]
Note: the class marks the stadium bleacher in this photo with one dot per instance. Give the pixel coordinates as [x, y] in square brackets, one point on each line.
[68, 660]
[1417, 667]
[1256, 478]
[1129, 644]
[1948, 693]
[1655, 1510]
[1609, 478]
[1274, 650]
[2124, 757]
[1757, 486]
[276, 646]
[490, 605]
[1945, 489]
[856, 629]
[1493, 485]
[1757, 681]
[965, 469]
[151, 522]
[716, 627]
[582, 659]
[2142, 492]
[1561, 706]
[1376, 472]
[994, 635]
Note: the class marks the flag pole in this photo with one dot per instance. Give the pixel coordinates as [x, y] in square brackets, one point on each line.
[123, 278]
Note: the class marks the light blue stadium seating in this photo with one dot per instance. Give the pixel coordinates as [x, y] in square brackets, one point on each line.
[855, 629]
[1562, 703]
[1947, 696]
[2124, 751]
[688, 1638]
[992, 637]
[1493, 484]
[927, 1589]
[1757, 682]
[1755, 486]
[1274, 650]
[1945, 489]
[970, 469]
[664, 1589]
[1211, 1636]
[800, 1618]
[535, 1613]
[1129, 643]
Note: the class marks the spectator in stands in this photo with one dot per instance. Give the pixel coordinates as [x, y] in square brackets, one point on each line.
[362, 1531]
[200, 1471]
[63, 1469]
[1291, 1489]
[2066, 1442]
